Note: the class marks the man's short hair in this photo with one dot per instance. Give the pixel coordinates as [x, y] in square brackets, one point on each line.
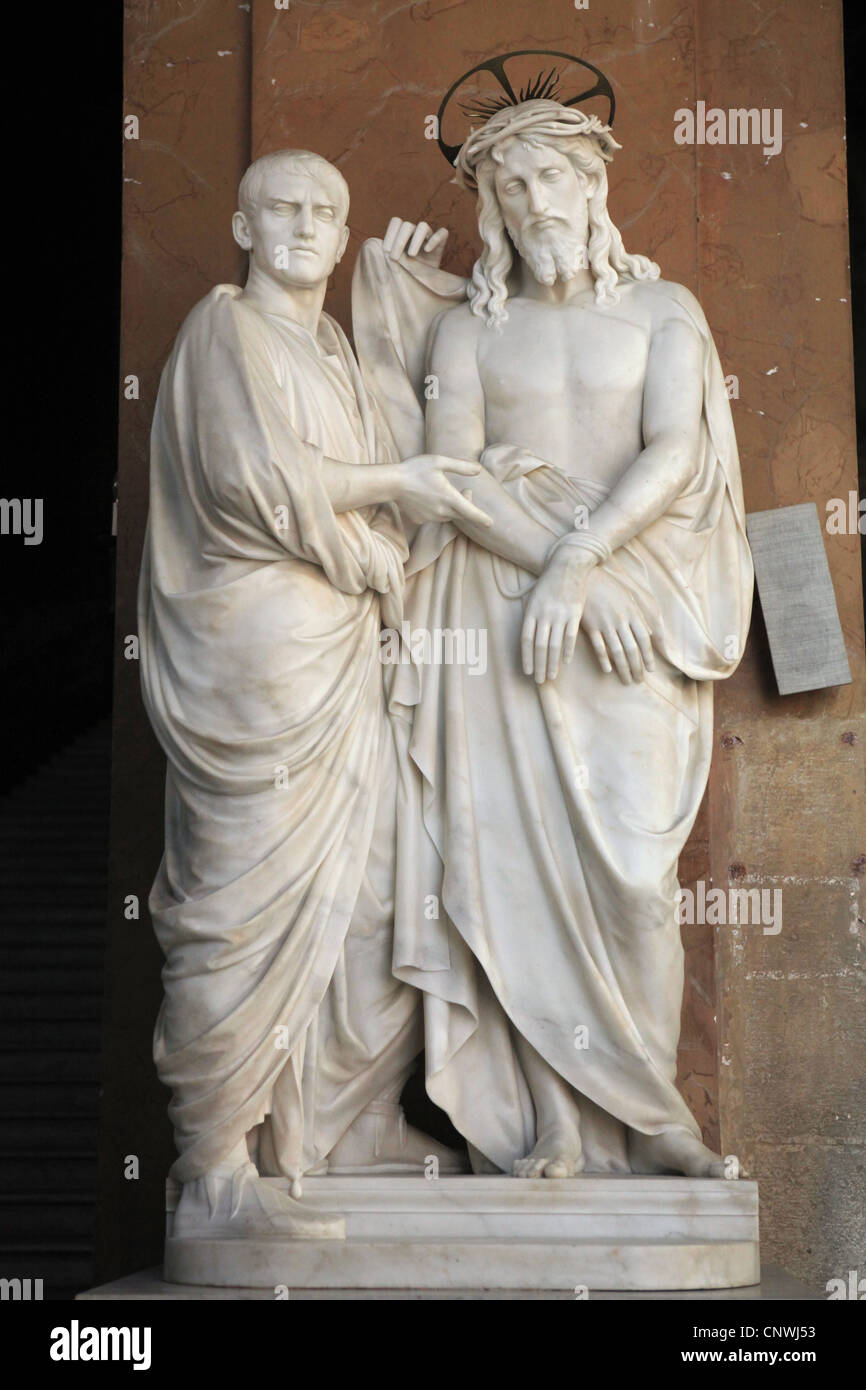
[250, 188]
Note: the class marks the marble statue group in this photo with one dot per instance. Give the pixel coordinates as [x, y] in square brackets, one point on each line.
[369, 863]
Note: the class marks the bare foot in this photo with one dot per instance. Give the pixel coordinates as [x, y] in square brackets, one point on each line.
[556, 1155]
[673, 1151]
[380, 1141]
[238, 1204]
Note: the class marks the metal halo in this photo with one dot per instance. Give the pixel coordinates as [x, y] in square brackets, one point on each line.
[496, 66]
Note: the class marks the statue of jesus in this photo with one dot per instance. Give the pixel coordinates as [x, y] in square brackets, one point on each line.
[545, 806]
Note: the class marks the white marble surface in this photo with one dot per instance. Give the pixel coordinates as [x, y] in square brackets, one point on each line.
[147, 1285]
[624, 1232]
[539, 803]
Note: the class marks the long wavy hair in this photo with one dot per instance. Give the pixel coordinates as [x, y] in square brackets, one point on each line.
[608, 259]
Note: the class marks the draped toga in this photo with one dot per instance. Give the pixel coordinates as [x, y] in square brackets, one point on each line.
[544, 823]
[259, 617]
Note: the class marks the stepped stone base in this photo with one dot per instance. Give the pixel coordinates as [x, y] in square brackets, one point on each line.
[592, 1232]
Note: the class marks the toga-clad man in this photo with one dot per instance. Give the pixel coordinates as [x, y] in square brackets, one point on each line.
[274, 552]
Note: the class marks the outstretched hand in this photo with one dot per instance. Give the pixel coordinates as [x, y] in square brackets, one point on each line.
[425, 493]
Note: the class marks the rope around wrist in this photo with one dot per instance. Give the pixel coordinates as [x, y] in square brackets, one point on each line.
[581, 540]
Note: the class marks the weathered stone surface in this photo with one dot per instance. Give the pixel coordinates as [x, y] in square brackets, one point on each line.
[788, 812]
[812, 1208]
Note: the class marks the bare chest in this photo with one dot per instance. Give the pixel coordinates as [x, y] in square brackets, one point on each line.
[563, 373]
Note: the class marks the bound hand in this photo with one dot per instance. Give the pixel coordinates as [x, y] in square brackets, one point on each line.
[424, 492]
[619, 634]
[554, 608]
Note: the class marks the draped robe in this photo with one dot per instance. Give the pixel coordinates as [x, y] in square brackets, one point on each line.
[545, 822]
[259, 617]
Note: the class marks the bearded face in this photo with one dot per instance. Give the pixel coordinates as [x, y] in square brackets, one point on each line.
[552, 253]
[544, 206]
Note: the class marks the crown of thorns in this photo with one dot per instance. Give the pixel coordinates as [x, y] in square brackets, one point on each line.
[546, 85]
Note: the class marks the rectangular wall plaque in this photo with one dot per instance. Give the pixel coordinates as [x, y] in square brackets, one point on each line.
[797, 599]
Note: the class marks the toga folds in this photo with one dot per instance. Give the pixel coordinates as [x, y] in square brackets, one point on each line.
[260, 610]
[540, 826]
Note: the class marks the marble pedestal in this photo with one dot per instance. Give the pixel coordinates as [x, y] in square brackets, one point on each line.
[606, 1233]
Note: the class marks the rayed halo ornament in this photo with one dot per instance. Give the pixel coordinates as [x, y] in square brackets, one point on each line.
[483, 98]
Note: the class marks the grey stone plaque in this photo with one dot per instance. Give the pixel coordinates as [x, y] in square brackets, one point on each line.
[797, 598]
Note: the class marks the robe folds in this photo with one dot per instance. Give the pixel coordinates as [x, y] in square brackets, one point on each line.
[544, 823]
[259, 617]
